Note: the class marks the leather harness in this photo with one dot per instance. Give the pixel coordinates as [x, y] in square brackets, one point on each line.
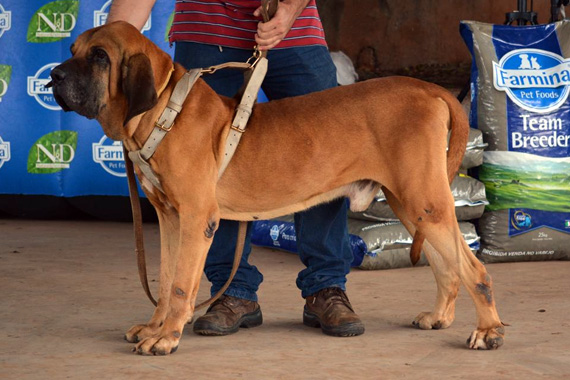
[165, 123]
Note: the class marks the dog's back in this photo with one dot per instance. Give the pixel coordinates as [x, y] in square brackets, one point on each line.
[372, 130]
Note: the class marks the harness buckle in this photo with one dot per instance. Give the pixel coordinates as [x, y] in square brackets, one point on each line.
[162, 126]
[235, 128]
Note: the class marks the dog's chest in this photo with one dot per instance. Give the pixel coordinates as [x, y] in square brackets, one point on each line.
[153, 193]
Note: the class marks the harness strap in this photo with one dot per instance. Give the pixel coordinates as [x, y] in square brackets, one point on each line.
[227, 65]
[163, 125]
[244, 110]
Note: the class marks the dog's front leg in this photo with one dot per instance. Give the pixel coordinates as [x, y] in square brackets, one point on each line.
[196, 233]
[169, 224]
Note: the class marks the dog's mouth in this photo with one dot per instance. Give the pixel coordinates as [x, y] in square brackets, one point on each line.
[58, 98]
[70, 100]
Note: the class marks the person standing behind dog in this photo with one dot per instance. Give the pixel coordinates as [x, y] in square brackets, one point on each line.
[208, 33]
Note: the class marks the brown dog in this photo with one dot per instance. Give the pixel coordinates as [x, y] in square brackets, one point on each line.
[349, 141]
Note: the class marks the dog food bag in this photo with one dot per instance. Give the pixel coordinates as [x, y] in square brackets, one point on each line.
[280, 234]
[388, 244]
[374, 245]
[468, 193]
[474, 152]
[520, 84]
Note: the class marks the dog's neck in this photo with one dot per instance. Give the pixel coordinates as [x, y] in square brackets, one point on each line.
[136, 136]
[166, 82]
[141, 126]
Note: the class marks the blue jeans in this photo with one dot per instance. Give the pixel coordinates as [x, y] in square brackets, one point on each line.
[322, 234]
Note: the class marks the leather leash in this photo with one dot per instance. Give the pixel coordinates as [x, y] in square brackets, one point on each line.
[268, 9]
[242, 229]
[139, 240]
[137, 224]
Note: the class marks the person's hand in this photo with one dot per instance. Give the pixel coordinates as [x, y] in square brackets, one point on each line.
[135, 12]
[270, 33]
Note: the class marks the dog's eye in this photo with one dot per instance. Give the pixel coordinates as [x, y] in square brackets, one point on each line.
[100, 54]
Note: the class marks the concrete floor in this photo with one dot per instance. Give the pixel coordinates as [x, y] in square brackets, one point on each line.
[70, 290]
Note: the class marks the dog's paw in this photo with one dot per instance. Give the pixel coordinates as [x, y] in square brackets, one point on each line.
[158, 345]
[428, 321]
[139, 332]
[486, 339]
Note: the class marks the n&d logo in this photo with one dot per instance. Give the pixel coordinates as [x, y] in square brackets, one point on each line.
[535, 80]
[52, 152]
[521, 220]
[53, 22]
[37, 88]
[4, 151]
[100, 17]
[5, 20]
[109, 154]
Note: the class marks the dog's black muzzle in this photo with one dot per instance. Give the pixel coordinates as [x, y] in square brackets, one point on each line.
[71, 90]
[57, 77]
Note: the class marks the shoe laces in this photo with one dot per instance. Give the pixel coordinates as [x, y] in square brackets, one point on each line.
[224, 301]
[335, 296]
[230, 303]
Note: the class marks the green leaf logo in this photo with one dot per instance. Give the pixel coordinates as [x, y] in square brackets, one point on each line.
[52, 152]
[5, 75]
[53, 22]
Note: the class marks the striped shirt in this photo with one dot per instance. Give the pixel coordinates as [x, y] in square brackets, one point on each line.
[232, 24]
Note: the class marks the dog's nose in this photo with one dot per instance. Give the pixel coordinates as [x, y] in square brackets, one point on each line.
[57, 75]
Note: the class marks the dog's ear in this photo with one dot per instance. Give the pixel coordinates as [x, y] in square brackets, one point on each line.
[138, 85]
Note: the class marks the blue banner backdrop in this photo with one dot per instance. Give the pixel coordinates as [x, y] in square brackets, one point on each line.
[44, 151]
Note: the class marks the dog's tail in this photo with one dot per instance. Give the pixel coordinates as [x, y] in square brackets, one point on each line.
[459, 128]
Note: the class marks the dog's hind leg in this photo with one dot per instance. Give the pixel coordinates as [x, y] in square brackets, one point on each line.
[198, 224]
[446, 278]
[448, 241]
[169, 225]
[440, 227]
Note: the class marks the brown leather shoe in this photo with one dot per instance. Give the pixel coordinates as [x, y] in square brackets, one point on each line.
[227, 315]
[330, 310]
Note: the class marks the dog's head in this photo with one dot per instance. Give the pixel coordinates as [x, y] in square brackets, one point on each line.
[113, 75]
